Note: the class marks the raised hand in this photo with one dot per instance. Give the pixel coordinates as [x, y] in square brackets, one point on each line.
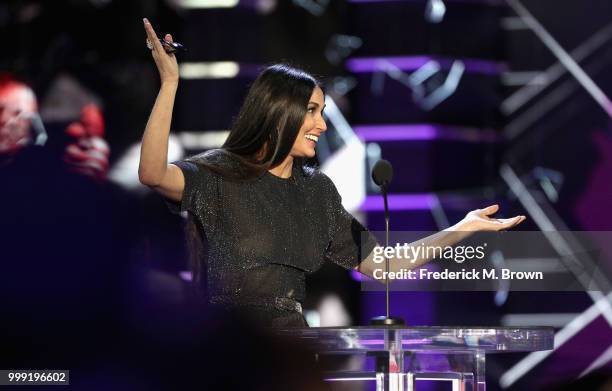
[165, 62]
[479, 220]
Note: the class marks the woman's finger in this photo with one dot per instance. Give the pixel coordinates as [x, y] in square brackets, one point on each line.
[152, 36]
[509, 223]
[168, 38]
[148, 28]
[489, 210]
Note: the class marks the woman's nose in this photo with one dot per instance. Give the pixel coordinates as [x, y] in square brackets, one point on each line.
[322, 125]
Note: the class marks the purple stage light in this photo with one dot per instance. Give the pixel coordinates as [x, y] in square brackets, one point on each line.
[412, 63]
[420, 201]
[399, 202]
[425, 132]
[485, 2]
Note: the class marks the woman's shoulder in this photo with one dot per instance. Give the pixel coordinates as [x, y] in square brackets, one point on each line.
[212, 156]
[317, 178]
[213, 161]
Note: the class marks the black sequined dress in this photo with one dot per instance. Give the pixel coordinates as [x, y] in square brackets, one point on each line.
[265, 235]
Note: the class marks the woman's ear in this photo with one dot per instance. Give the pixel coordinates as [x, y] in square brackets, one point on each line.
[261, 154]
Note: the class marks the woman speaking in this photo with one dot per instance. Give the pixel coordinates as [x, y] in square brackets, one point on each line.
[267, 216]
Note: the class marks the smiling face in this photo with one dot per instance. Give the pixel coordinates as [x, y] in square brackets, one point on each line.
[312, 127]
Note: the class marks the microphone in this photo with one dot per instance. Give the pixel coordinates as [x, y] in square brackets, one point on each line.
[382, 174]
[172, 47]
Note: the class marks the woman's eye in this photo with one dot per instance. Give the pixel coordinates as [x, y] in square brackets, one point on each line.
[311, 110]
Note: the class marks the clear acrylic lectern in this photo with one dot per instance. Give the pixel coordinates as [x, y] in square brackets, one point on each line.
[404, 355]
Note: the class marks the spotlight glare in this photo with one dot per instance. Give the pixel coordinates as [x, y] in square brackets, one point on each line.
[209, 3]
[209, 70]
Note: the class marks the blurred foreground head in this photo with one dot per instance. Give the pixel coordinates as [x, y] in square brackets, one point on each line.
[17, 107]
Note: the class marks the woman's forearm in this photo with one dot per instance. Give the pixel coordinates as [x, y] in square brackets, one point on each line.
[154, 149]
[442, 239]
[447, 237]
[475, 221]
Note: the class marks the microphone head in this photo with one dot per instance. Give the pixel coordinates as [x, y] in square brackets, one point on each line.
[382, 173]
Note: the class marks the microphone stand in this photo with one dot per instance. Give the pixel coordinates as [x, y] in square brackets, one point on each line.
[386, 320]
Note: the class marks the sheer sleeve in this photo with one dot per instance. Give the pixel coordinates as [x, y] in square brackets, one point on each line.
[349, 242]
[200, 189]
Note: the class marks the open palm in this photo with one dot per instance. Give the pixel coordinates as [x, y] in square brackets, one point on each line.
[480, 220]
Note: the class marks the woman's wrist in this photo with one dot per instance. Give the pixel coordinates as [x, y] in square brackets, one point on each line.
[462, 226]
[169, 83]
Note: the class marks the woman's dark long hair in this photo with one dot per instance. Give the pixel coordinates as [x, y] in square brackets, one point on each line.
[267, 125]
[261, 137]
